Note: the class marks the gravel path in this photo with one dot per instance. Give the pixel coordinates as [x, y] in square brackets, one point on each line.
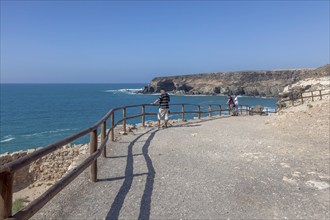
[236, 167]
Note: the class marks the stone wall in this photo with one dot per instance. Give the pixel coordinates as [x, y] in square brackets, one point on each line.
[49, 168]
[22, 177]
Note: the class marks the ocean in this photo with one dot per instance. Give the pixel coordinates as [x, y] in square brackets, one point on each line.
[35, 115]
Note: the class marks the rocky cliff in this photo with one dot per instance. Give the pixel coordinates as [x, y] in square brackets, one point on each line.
[250, 83]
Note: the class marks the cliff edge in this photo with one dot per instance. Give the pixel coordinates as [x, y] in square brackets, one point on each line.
[251, 83]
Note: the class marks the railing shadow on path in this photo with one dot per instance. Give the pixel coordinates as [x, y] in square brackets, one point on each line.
[197, 123]
[119, 200]
[122, 156]
[145, 204]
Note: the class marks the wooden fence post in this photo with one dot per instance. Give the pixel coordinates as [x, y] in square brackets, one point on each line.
[220, 111]
[113, 126]
[182, 112]
[210, 111]
[279, 103]
[302, 98]
[228, 109]
[241, 110]
[124, 120]
[292, 100]
[92, 149]
[312, 96]
[6, 194]
[199, 112]
[143, 116]
[320, 92]
[103, 134]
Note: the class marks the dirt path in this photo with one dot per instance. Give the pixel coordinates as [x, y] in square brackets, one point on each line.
[259, 167]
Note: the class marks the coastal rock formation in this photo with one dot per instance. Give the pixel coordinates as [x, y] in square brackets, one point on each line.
[49, 168]
[294, 91]
[249, 83]
[22, 177]
[311, 84]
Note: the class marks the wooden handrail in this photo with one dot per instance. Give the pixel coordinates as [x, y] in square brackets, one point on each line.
[301, 97]
[7, 170]
[37, 204]
[26, 160]
[103, 135]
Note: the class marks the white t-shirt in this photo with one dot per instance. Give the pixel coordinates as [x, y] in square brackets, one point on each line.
[236, 101]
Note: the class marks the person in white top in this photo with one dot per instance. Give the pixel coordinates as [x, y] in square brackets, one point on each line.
[236, 101]
[235, 109]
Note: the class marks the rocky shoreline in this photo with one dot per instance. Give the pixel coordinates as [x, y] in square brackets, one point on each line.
[248, 83]
[47, 169]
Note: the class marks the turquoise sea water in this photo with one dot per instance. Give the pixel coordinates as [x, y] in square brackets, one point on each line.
[35, 115]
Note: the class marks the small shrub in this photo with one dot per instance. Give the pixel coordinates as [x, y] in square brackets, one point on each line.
[18, 204]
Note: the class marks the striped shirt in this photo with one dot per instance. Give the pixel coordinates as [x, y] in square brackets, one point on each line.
[164, 99]
[231, 101]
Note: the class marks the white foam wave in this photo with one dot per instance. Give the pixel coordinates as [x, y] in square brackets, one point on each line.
[127, 91]
[47, 132]
[174, 94]
[269, 109]
[7, 139]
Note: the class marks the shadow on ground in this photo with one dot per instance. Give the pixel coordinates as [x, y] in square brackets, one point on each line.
[145, 203]
[197, 123]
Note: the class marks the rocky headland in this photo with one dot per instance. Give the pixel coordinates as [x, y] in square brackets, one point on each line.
[268, 83]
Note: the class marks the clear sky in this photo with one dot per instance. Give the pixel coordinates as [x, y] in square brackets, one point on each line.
[134, 41]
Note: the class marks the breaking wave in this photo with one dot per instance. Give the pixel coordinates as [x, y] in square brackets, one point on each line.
[127, 91]
[47, 132]
[7, 139]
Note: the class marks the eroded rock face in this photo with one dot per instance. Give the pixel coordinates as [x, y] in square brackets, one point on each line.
[49, 168]
[250, 83]
[22, 177]
[296, 90]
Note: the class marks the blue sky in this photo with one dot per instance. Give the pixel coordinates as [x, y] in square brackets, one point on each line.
[134, 41]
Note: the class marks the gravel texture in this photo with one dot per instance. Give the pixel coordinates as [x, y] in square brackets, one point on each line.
[246, 167]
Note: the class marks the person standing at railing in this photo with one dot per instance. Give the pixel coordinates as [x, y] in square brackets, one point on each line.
[236, 105]
[164, 107]
[236, 100]
[231, 104]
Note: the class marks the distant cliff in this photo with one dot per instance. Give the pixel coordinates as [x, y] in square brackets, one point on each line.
[250, 83]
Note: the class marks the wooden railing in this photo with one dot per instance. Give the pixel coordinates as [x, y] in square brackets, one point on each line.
[7, 170]
[311, 95]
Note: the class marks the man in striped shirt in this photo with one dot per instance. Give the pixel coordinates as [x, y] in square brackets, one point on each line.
[164, 107]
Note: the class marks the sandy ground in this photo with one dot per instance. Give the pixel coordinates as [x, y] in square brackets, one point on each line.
[252, 167]
[30, 193]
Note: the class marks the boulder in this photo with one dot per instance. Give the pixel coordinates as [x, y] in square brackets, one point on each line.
[258, 109]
